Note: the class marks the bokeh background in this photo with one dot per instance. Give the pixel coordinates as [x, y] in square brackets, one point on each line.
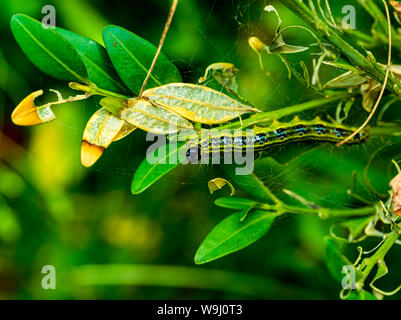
[106, 243]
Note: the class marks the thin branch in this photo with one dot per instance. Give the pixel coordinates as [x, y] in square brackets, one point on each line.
[366, 63]
[159, 48]
[383, 87]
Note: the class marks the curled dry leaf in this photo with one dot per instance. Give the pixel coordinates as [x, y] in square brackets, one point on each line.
[219, 183]
[28, 114]
[395, 184]
[224, 73]
[101, 130]
[346, 80]
[278, 45]
[370, 91]
[197, 103]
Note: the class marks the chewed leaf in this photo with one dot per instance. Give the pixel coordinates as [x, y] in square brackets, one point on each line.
[278, 45]
[346, 80]
[382, 270]
[197, 103]
[355, 229]
[151, 118]
[224, 73]
[27, 114]
[102, 129]
[125, 130]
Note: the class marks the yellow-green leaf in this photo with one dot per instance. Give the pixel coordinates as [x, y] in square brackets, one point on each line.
[197, 103]
[101, 130]
[28, 114]
[151, 118]
[219, 183]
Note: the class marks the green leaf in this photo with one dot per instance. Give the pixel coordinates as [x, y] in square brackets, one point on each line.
[334, 258]
[246, 205]
[231, 235]
[286, 49]
[355, 228]
[251, 184]
[382, 270]
[48, 50]
[96, 60]
[360, 295]
[197, 103]
[235, 203]
[114, 105]
[148, 173]
[132, 56]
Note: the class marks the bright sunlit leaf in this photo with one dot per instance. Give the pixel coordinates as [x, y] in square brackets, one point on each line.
[197, 103]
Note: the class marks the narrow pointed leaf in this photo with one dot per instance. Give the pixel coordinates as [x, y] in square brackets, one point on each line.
[132, 56]
[96, 60]
[148, 173]
[235, 203]
[231, 235]
[287, 49]
[197, 103]
[251, 184]
[48, 50]
[335, 259]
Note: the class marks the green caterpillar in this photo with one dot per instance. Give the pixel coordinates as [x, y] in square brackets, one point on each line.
[278, 134]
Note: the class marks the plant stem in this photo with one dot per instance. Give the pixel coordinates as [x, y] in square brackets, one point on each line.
[367, 64]
[93, 90]
[107, 93]
[368, 264]
[375, 12]
[277, 114]
[323, 213]
[394, 131]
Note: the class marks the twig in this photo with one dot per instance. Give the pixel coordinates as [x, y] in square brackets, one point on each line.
[383, 87]
[159, 48]
[365, 63]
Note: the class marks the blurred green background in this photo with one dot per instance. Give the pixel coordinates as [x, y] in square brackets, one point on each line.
[108, 244]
